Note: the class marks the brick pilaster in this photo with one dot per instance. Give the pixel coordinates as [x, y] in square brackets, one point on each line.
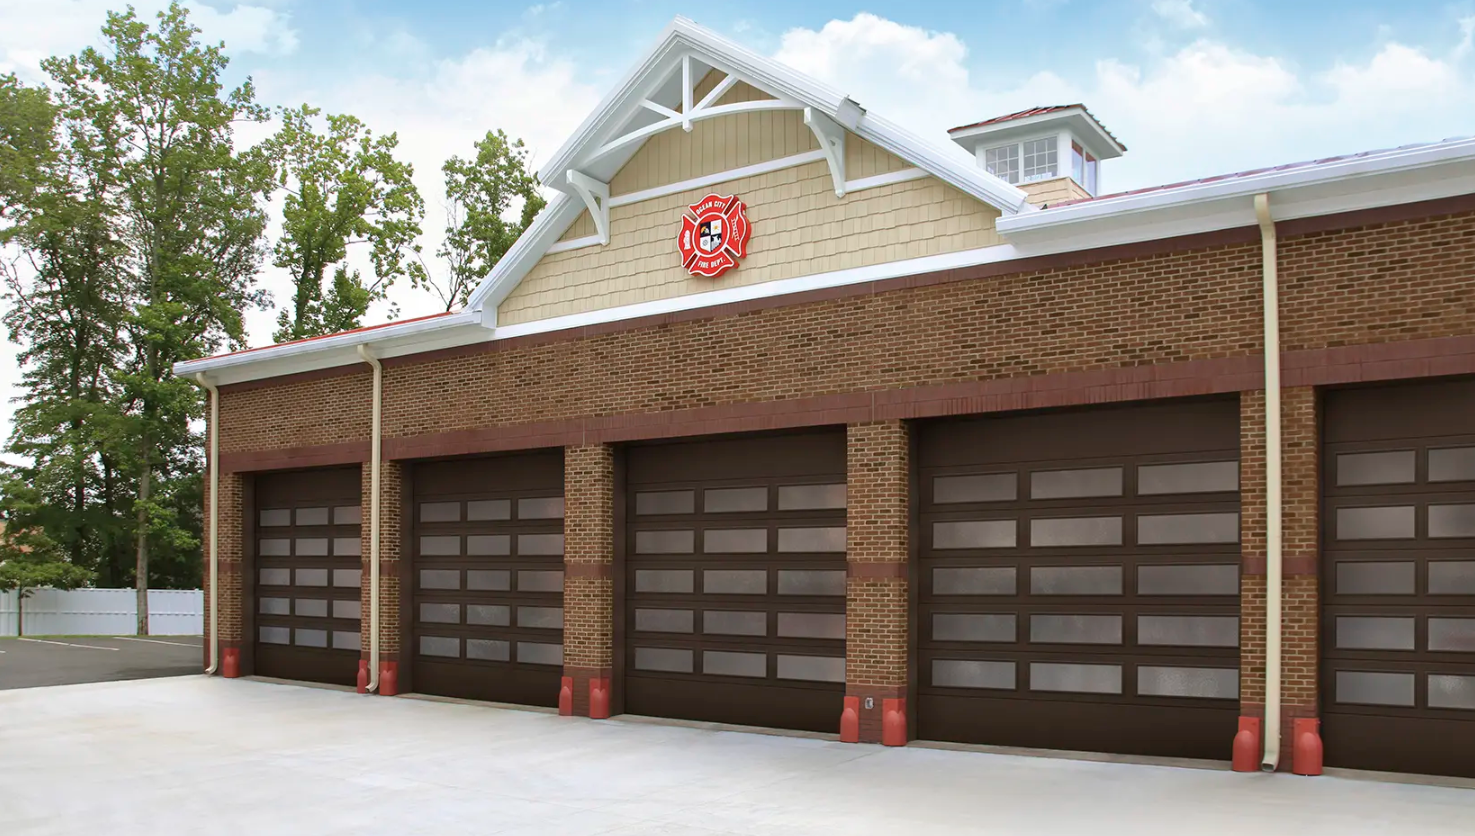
[877, 545]
[230, 554]
[588, 556]
[1300, 584]
[391, 494]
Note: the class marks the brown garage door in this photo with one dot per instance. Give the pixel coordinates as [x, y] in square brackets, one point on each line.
[488, 566]
[734, 581]
[307, 571]
[1079, 580]
[1398, 646]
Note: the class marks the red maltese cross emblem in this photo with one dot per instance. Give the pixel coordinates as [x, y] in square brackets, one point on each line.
[714, 235]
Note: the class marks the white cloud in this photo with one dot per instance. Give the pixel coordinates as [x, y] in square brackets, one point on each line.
[1207, 108]
[26, 38]
[1180, 13]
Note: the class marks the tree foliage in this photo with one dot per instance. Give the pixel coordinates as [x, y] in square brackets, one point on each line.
[343, 187]
[480, 193]
[139, 231]
[132, 230]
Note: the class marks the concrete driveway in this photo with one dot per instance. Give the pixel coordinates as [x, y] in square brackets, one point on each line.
[197, 755]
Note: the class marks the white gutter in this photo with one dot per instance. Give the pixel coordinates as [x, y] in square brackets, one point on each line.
[1271, 295]
[374, 450]
[412, 333]
[213, 462]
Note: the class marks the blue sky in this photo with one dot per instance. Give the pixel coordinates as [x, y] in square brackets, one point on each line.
[1193, 87]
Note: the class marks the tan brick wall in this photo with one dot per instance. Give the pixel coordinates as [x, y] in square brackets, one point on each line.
[877, 531]
[1132, 312]
[1300, 487]
[229, 552]
[799, 228]
[588, 541]
[1377, 284]
[297, 414]
[391, 509]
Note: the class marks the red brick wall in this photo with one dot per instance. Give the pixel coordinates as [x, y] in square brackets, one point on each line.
[229, 551]
[300, 413]
[877, 546]
[1389, 282]
[1300, 584]
[588, 555]
[391, 495]
[1375, 284]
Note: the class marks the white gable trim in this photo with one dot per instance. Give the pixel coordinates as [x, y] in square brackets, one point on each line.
[827, 110]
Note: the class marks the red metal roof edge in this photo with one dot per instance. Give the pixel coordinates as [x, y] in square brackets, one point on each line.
[1246, 173]
[334, 334]
[1041, 111]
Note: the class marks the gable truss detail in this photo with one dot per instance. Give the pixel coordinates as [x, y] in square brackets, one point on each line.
[595, 193]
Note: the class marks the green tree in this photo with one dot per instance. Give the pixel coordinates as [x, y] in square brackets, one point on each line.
[344, 187]
[480, 194]
[27, 141]
[65, 308]
[187, 211]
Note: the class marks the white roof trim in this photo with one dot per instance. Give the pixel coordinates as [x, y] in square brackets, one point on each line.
[1385, 178]
[393, 340]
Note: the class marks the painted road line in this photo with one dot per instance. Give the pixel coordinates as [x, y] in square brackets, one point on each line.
[68, 644]
[153, 641]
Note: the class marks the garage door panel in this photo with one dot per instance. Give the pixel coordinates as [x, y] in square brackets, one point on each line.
[1110, 579]
[1079, 723]
[1200, 429]
[735, 579]
[308, 575]
[1398, 619]
[488, 586]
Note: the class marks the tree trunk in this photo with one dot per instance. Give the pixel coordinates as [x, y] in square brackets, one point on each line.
[141, 581]
[20, 612]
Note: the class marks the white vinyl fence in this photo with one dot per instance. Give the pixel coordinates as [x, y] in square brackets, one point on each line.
[103, 612]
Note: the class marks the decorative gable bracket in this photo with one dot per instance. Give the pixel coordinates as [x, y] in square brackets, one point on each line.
[691, 111]
[831, 138]
[595, 195]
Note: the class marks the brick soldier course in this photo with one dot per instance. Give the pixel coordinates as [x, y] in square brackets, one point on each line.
[1366, 296]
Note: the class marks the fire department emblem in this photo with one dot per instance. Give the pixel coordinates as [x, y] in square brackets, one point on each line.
[714, 235]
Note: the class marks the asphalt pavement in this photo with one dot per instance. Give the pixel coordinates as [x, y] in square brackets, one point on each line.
[67, 660]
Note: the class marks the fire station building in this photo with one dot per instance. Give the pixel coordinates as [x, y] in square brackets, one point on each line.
[779, 415]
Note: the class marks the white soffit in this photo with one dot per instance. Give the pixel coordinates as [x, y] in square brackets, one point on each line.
[1365, 181]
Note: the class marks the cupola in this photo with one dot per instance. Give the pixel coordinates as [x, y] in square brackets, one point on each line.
[1053, 153]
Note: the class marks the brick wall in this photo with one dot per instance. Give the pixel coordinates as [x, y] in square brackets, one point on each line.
[328, 410]
[1396, 281]
[1300, 585]
[588, 555]
[229, 554]
[391, 496]
[877, 546]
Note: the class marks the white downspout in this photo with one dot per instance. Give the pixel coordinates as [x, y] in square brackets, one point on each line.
[1271, 295]
[374, 445]
[213, 462]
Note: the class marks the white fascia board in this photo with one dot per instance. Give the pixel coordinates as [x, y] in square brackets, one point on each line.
[764, 290]
[1356, 182]
[412, 337]
[525, 252]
